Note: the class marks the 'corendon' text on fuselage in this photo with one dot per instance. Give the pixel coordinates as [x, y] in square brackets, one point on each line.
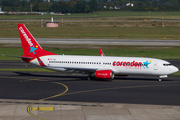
[130, 64]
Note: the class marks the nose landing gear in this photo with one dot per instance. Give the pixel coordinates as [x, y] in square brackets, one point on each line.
[162, 76]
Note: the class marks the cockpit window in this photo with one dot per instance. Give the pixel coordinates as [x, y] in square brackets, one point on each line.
[167, 64]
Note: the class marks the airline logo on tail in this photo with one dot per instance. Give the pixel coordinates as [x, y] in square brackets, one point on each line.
[32, 47]
[25, 36]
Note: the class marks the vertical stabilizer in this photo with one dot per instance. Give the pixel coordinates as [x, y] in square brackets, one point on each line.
[30, 46]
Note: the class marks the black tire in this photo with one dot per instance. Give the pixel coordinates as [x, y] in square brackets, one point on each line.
[89, 78]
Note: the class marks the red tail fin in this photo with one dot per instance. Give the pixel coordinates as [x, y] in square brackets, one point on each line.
[30, 46]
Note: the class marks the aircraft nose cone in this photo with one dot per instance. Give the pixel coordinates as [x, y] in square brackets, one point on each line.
[174, 69]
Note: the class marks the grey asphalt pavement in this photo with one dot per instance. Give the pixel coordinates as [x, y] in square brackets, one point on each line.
[68, 96]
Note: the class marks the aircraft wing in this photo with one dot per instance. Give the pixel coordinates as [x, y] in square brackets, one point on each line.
[81, 70]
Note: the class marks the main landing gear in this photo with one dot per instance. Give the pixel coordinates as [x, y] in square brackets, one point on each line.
[89, 77]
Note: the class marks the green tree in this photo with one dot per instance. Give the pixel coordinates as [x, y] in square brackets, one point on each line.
[109, 4]
[115, 3]
[81, 7]
[24, 6]
[175, 2]
[42, 7]
[72, 5]
[60, 6]
[32, 0]
[87, 9]
[104, 1]
[122, 2]
[93, 5]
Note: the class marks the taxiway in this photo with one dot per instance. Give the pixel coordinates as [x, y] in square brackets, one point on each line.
[63, 96]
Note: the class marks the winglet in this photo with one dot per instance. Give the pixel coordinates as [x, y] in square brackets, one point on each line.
[101, 52]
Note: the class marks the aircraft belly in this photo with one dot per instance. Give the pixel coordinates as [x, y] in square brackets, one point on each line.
[56, 69]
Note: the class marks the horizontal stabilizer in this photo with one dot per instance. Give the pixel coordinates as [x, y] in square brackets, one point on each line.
[18, 56]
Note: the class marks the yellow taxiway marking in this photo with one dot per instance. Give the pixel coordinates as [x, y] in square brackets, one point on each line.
[28, 108]
[42, 109]
[94, 90]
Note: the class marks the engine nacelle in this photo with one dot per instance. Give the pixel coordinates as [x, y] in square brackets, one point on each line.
[104, 74]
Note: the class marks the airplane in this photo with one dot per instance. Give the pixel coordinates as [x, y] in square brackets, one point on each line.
[99, 67]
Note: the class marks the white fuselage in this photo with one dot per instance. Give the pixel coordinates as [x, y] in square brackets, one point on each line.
[119, 65]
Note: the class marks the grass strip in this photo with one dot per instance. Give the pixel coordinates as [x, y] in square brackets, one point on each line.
[95, 32]
[177, 73]
[161, 52]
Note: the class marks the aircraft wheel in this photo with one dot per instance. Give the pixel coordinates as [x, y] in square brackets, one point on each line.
[89, 78]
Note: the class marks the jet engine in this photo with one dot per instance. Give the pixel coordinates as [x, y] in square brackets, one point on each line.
[104, 74]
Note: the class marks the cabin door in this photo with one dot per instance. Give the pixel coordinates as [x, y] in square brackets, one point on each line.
[156, 65]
